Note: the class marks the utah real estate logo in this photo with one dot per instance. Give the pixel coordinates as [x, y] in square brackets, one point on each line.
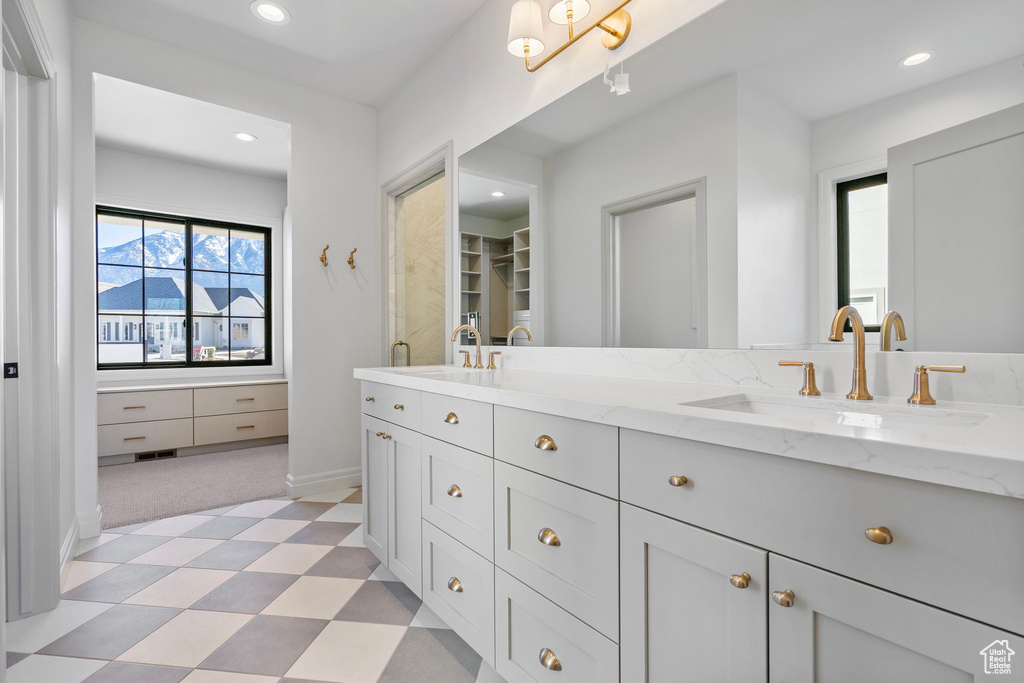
[997, 657]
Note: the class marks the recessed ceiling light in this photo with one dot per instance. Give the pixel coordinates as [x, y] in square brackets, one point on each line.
[498, 193]
[245, 137]
[270, 12]
[917, 58]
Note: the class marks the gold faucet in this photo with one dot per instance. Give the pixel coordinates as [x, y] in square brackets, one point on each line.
[470, 328]
[891, 318]
[859, 389]
[513, 332]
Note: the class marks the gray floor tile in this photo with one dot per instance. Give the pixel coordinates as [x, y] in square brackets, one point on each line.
[126, 529]
[345, 563]
[322, 533]
[267, 645]
[381, 602]
[123, 549]
[123, 672]
[218, 511]
[119, 584]
[427, 654]
[111, 633]
[246, 592]
[232, 555]
[356, 497]
[15, 657]
[302, 510]
[221, 527]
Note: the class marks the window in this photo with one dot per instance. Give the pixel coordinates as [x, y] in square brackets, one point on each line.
[863, 247]
[169, 288]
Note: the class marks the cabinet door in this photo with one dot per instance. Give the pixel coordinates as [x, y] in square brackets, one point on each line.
[404, 489]
[375, 487]
[842, 630]
[682, 617]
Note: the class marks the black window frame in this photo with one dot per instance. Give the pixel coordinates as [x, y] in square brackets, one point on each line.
[189, 335]
[843, 190]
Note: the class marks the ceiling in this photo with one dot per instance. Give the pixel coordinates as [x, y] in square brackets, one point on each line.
[138, 118]
[475, 198]
[357, 50]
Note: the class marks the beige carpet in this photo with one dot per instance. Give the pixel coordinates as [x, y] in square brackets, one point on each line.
[155, 489]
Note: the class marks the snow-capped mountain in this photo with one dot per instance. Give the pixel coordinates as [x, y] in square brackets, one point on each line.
[167, 250]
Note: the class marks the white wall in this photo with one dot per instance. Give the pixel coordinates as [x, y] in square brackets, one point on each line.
[332, 198]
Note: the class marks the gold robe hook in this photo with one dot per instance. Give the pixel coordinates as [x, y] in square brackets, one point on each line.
[323, 256]
[352, 259]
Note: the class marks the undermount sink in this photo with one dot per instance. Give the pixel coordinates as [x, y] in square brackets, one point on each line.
[932, 421]
[443, 371]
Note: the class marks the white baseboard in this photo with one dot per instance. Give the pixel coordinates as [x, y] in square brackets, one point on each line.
[90, 525]
[321, 482]
[67, 551]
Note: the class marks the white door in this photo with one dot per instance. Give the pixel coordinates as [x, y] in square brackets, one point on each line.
[404, 492]
[375, 486]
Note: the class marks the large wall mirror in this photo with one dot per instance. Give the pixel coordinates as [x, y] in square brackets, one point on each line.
[772, 162]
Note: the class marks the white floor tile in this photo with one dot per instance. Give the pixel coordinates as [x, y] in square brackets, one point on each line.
[79, 572]
[39, 668]
[200, 676]
[426, 618]
[87, 544]
[289, 558]
[177, 551]
[343, 512]
[35, 633]
[354, 539]
[181, 588]
[347, 652]
[314, 597]
[261, 508]
[329, 496]
[187, 639]
[173, 526]
[272, 530]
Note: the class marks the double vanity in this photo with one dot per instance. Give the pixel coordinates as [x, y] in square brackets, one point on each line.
[576, 527]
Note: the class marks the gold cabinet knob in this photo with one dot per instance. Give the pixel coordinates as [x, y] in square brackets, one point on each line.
[548, 537]
[880, 535]
[784, 598]
[545, 443]
[452, 419]
[454, 585]
[677, 481]
[549, 661]
[454, 491]
[740, 580]
[368, 399]
[386, 437]
[399, 406]
[380, 433]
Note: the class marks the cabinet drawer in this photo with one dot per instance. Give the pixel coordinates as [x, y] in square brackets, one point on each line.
[221, 428]
[585, 454]
[465, 423]
[143, 406]
[942, 537]
[458, 585]
[560, 540]
[396, 405]
[529, 626]
[241, 399]
[458, 494]
[144, 437]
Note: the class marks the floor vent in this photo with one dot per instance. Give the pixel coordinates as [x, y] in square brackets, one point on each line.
[156, 455]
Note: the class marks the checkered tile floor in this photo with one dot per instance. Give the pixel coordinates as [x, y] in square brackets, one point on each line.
[276, 590]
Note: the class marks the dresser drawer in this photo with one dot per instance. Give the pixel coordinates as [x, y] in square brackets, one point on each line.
[944, 539]
[560, 540]
[241, 399]
[458, 585]
[143, 406]
[458, 494]
[396, 405]
[221, 428]
[144, 437]
[465, 423]
[528, 626]
[585, 454]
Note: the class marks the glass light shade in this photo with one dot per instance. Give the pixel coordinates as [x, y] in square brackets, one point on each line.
[559, 11]
[526, 28]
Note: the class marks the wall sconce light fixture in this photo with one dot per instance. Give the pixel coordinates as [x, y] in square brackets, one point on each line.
[526, 27]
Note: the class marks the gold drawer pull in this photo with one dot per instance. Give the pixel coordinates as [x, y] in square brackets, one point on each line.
[454, 585]
[379, 434]
[134, 438]
[881, 535]
[549, 661]
[677, 481]
[399, 406]
[240, 400]
[246, 427]
[368, 399]
[548, 537]
[785, 598]
[545, 443]
[740, 580]
[452, 419]
[454, 491]
[386, 437]
[133, 407]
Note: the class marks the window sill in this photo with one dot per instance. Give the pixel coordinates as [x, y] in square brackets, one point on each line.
[179, 375]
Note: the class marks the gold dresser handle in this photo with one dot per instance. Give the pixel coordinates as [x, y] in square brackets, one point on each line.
[676, 480]
[740, 580]
[452, 419]
[399, 406]
[784, 598]
[134, 438]
[549, 661]
[880, 535]
[548, 537]
[133, 407]
[386, 437]
[545, 443]
[241, 400]
[454, 491]
[246, 427]
[380, 434]
[369, 399]
[454, 585]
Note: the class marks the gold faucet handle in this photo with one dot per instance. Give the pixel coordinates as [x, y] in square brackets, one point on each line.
[491, 365]
[467, 364]
[922, 395]
[948, 368]
[810, 388]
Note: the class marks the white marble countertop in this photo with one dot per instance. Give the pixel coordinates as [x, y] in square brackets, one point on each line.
[971, 446]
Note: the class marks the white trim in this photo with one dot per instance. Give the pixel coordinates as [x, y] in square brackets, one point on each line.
[67, 551]
[25, 29]
[91, 525]
[310, 484]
